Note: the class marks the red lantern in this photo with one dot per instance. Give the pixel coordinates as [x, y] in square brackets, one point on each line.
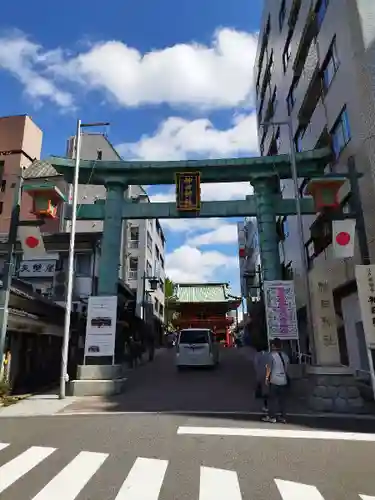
[46, 199]
[325, 191]
[242, 253]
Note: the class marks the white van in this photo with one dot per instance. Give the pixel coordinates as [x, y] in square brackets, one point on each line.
[196, 347]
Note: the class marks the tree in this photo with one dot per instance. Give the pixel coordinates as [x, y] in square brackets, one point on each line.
[170, 305]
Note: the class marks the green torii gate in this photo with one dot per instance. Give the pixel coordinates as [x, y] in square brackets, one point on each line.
[264, 174]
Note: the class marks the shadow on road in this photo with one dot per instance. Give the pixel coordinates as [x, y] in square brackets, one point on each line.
[225, 393]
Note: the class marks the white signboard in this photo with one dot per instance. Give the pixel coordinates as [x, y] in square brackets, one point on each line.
[365, 276]
[37, 269]
[281, 310]
[101, 326]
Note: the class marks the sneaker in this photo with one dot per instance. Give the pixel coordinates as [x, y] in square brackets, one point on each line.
[268, 419]
[265, 409]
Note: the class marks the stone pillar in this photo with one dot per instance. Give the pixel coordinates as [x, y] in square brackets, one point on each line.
[266, 221]
[111, 240]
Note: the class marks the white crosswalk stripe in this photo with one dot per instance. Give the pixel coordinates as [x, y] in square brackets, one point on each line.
[144, 480]
[71, 480]
[21, 465]
[297, 491]
[218, 484]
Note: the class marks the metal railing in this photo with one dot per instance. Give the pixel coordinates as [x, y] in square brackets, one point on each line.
[133, 275]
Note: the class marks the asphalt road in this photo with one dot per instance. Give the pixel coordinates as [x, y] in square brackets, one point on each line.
[159, 387]
[151, 444]
[142, 457]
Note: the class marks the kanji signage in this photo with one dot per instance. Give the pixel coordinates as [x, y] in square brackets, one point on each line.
[37, 268]
[188, 192]
[365, 276]
[281, 312]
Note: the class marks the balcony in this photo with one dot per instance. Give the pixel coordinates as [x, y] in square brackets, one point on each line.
[134, 244]
[307, 75]
[133, 275]
[315, 128]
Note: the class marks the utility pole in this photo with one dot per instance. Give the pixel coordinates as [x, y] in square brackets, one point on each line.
[69, 293]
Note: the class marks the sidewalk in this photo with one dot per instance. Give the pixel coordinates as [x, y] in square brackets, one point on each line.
[37, 405]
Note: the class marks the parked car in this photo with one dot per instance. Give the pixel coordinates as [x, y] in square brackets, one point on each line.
[196, 347]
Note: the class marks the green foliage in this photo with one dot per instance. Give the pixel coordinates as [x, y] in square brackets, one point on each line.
[4, 389]
[169, 289]
[170, 304]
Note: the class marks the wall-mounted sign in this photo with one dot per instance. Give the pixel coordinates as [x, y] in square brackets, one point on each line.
[281, 312]
[37, 269]
[188, 192]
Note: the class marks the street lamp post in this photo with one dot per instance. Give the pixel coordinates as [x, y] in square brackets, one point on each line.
[293, 164]
[154, 281]
[68, 306]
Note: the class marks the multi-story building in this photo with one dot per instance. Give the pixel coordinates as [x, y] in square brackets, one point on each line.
[249, 257]
[315, 69]
[143, 242]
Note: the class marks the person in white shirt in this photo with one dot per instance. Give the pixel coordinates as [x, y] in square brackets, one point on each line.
[278, 381]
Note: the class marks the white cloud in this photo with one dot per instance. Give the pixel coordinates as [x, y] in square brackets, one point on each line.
[24, 60]
[218, 75]
[179, 139]
[189, 226]
[224, 234]
[190, 265]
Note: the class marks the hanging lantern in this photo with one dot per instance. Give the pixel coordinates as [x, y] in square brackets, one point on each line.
[46, 199]
[325, 191]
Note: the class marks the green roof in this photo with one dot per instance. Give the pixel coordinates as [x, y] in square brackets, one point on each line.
[208, 292]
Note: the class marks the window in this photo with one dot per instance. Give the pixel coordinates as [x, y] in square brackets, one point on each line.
[162, 262]
[291, 100]
[99, 154]
[194, 337]
[298, 138]
[149, 269]
[330, 66]
[278, 140]
[340, 133]
[157, 253]
[287, 54]
[161, 310]
[282, 13]
[133, 264]
[156, 306]
[3, 186]
[294, 12]
[83, 264]
[149, 241]
[134, 237]
[320, 10]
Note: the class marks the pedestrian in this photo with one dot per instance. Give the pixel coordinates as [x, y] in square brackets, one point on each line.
[262, 389]
[277, 380]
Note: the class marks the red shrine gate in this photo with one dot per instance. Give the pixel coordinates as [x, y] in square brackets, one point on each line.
[206, 305]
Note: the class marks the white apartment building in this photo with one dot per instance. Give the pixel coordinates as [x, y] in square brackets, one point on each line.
[315, 67]
[143, 243]
[249, 258]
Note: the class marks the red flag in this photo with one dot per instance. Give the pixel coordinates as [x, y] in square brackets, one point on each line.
[343, 236]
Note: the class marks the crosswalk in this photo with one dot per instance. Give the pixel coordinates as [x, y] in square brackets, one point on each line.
[144, 481]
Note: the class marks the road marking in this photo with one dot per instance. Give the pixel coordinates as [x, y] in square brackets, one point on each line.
[144, 480]
[297, 491]
[219, 484]
[72, 479]
[16, 468]
[3, 445]
[275, 433]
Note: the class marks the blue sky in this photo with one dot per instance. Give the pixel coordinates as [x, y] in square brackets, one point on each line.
[174, 79]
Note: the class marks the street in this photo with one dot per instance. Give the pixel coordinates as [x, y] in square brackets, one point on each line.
[170, 450]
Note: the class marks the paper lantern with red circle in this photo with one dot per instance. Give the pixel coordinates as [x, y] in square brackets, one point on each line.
[325, 191]
[46, 199]
[242, 252]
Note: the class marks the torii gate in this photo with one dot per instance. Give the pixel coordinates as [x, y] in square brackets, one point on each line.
[264, 174]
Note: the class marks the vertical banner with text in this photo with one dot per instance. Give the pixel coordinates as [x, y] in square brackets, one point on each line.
[188, 192]
[281, 310]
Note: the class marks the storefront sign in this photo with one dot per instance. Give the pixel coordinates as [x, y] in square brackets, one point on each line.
[365, 276]
[101, 326]
[37, 269]
[281, 310]
[188, 192]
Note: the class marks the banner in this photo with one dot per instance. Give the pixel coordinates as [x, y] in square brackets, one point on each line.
[281, 313]
[343, 236]
[365, 276]
[31, 242]
[101, 326]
